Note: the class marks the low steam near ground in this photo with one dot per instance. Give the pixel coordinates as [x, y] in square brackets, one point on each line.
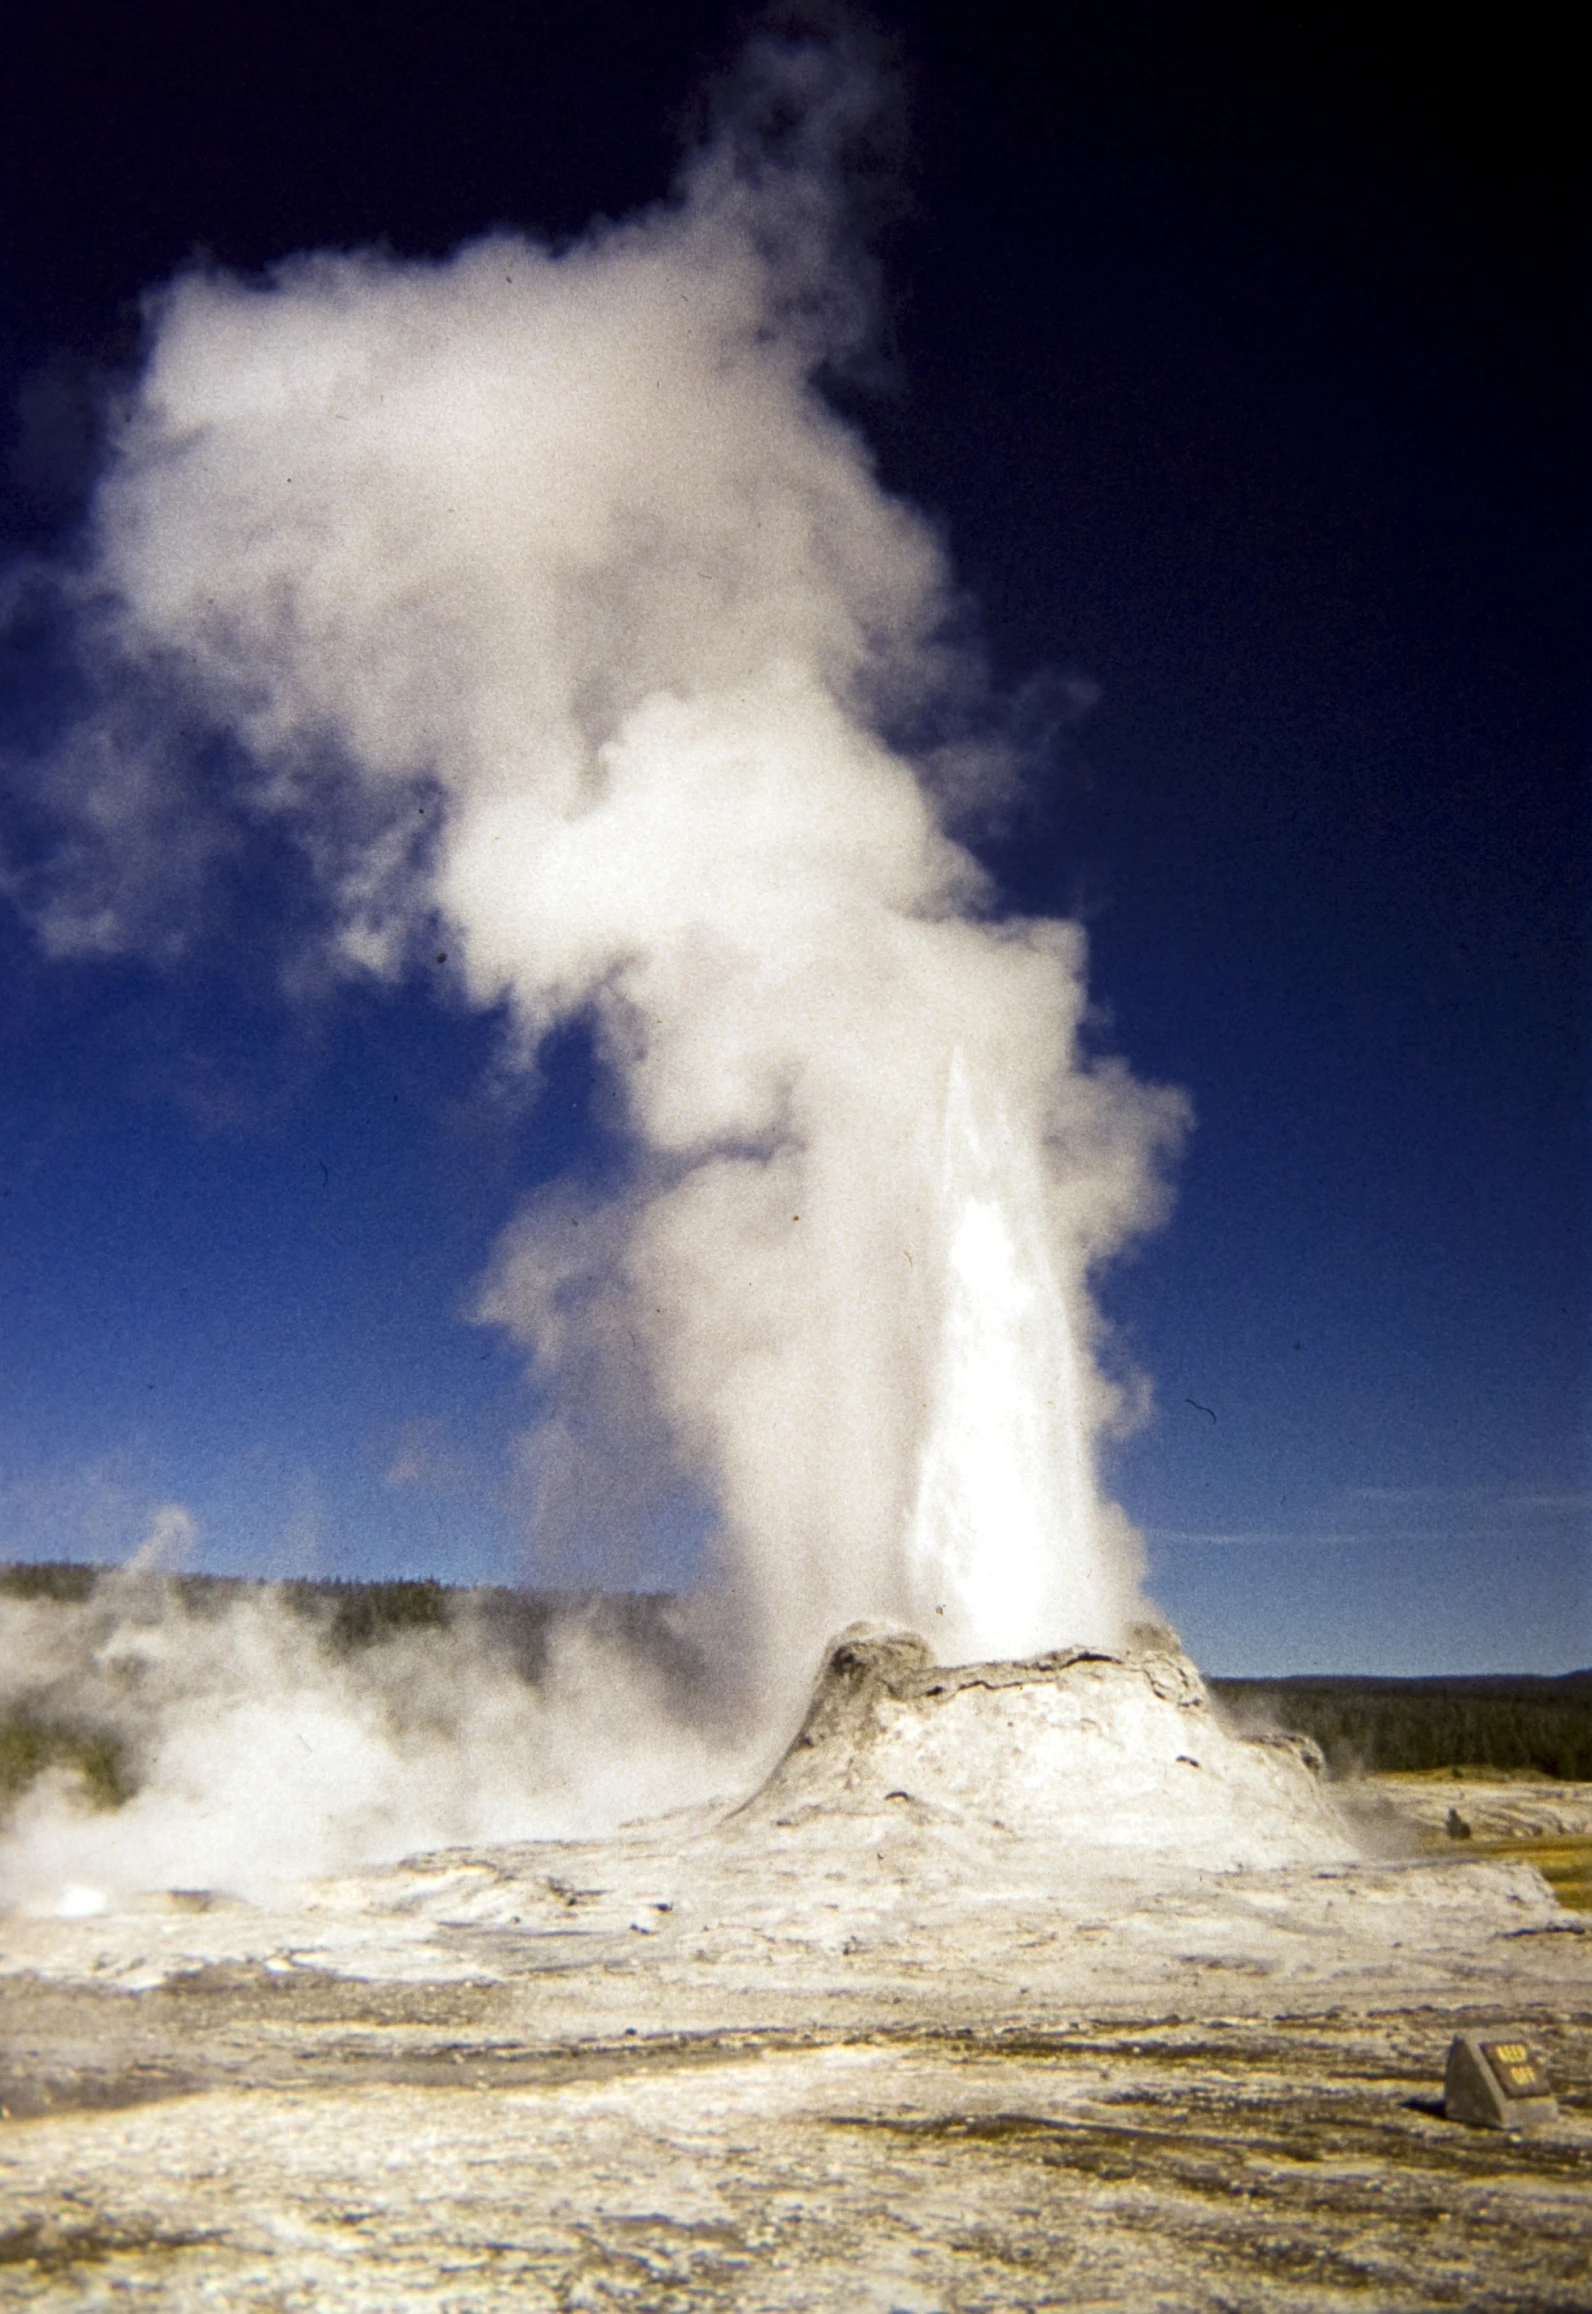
[231, 1737]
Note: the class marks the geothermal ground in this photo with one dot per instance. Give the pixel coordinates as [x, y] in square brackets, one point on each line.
[1015, 1986]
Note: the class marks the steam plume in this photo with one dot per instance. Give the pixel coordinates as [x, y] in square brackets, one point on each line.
[548, 603]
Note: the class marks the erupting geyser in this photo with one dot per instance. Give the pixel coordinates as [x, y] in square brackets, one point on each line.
[546, 603]
[1008, 1526]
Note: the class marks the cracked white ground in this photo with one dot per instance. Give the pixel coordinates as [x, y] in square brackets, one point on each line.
[1015, 1986]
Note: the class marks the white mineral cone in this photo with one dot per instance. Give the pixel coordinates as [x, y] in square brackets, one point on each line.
[1111, 1754]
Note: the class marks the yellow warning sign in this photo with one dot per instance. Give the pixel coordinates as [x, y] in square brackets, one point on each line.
[1519, 2074]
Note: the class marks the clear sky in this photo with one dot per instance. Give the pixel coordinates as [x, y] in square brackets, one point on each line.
[1238, 367]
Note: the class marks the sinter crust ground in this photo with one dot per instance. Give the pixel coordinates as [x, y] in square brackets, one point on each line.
[853, 2045]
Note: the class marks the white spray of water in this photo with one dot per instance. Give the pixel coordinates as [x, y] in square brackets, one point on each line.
[552, 605]
[1007, 1447]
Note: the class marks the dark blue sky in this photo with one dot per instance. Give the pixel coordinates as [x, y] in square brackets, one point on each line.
[1240, 364]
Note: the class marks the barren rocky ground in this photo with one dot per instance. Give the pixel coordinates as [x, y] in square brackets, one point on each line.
[864, 2055]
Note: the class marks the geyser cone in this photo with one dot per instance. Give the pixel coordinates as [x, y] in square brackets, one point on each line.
[1110, 1757]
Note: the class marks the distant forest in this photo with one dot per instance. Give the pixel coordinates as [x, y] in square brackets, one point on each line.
[1534, 1725]
[1383, 1725]
[351, 1615]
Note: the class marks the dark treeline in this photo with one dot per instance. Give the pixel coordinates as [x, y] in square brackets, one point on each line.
[352, 1614]
[1365, 1725]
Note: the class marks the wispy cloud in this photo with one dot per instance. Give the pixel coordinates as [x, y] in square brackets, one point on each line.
[1443, 1514]
[1257, 1538]
[1498, 1499]
[423, 1457]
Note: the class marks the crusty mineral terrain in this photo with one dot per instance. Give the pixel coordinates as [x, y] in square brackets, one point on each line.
[1014, 1986]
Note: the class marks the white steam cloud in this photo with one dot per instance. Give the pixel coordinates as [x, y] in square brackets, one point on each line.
[247, 1748]
[548, 603]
